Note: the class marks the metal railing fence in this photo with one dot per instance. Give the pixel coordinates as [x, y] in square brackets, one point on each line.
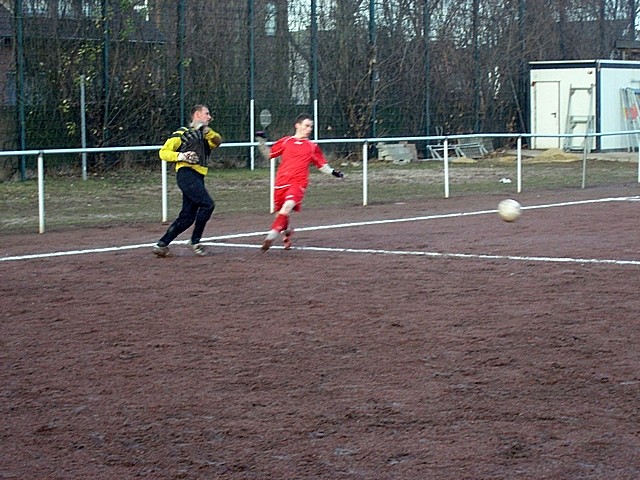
[366, 143]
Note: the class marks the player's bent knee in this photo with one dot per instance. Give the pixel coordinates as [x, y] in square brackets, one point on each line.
[210, 206]
[288, 206]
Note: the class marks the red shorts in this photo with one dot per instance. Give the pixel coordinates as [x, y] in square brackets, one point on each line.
[288, 192]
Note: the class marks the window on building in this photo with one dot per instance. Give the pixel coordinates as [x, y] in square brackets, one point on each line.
[270, 19]
[142, 7]
[65, 9]
[35, 7]
[10, 96]
[91, 8]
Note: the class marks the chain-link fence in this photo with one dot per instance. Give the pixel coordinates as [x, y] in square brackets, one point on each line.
[125, 72]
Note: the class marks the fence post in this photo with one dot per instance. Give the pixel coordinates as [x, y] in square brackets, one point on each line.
[519, 164]
[41, 191]
[251, 18]
[165, 190]
[584, 160]
[272, 185]
[445, 144]
[83, 126]
[252, 121]
[365, 173]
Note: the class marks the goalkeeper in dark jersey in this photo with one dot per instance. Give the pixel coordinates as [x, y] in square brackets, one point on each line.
[190, 148]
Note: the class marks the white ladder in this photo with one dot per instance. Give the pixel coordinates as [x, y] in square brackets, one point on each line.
[631, 111]
[586, 122]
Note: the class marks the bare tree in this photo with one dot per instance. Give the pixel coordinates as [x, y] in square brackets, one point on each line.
[372, 74]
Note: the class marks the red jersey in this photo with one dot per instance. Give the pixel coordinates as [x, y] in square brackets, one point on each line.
[297, 154]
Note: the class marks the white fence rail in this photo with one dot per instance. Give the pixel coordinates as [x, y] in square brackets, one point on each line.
[444, 141]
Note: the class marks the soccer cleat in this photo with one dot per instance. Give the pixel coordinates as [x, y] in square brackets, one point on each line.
[161, 251]
[198, 249]
[266, 245]
[287, 239]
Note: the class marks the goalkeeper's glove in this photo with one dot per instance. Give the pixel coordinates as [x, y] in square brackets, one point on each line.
[261, 137]
[337, 174]
[200, 126]
[189, 157]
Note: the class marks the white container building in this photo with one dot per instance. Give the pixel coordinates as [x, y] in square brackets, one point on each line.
[583, 95]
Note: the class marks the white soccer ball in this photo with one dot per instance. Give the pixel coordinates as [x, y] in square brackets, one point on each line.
[509, 210]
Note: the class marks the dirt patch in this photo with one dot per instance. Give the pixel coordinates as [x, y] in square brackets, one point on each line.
[476, 359]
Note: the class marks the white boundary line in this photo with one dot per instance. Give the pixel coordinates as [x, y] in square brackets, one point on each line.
[212, 240]
[481, 256]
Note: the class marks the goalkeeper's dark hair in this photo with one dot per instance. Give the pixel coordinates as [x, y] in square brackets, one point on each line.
[197, 108]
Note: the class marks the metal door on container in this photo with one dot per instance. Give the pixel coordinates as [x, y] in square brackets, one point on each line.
[546, 114]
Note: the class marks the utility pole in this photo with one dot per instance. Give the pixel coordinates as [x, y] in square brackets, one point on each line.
[373, 67]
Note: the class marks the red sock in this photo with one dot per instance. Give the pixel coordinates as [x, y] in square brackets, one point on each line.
[280, 223]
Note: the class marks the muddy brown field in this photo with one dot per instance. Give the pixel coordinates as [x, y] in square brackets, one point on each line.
[408, 344]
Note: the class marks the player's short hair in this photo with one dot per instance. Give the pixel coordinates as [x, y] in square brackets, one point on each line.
[302, 117]
[197, 108]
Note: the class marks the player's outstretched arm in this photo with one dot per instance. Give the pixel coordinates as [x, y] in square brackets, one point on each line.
[331, 171]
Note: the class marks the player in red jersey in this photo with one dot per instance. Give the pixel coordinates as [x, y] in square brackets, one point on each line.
[297, 152]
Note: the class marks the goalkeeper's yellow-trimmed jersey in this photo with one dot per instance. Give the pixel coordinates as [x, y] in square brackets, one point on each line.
[169, 151]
